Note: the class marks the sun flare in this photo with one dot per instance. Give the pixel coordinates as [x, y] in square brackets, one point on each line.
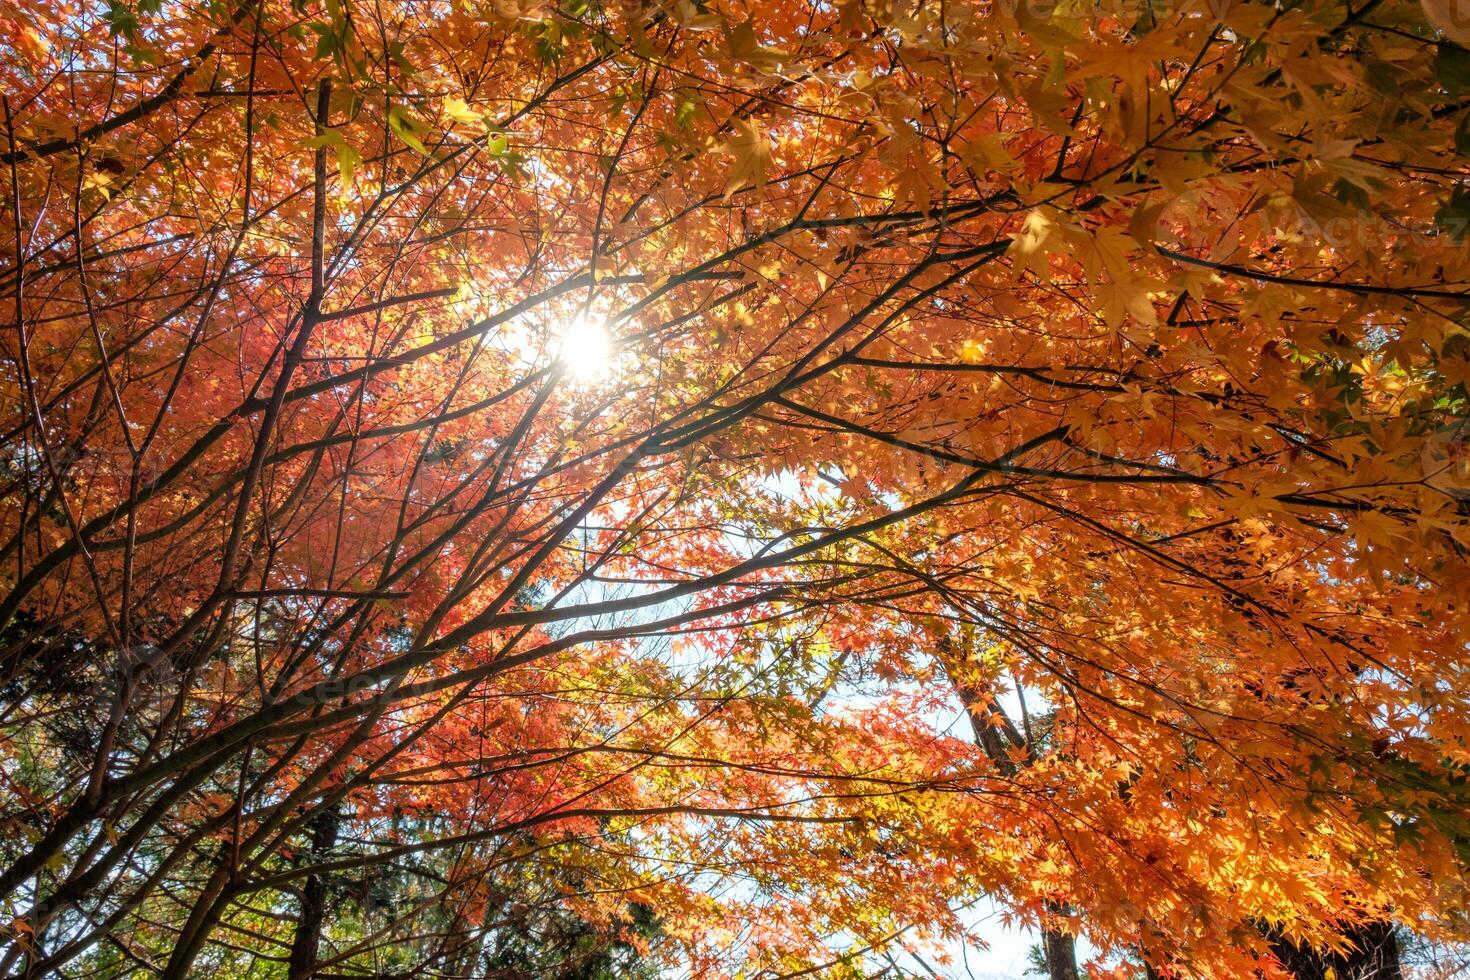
[585, 349]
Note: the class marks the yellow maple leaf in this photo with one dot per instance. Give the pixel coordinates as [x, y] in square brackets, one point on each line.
[745, 47]
[752, 152]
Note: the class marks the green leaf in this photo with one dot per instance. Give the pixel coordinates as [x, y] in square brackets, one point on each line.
[120, 19]
[685, 113]
[347, 161]
[327, 41]
[1452, 68]
[1350, 193]
[1454, 215]
[347, 157]
[407, 128]
[400, 60]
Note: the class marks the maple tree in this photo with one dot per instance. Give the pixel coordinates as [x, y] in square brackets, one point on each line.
[504, 485]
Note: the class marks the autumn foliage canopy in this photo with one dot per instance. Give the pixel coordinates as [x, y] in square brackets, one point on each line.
[728, 487]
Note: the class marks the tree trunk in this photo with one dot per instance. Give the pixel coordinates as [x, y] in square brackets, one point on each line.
[313, 901]
[1060, 952]
[995, 734]
[1375, 956]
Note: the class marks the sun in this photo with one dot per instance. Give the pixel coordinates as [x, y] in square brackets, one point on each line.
[585, 349]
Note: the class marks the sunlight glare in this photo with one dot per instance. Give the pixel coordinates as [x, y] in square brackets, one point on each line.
[585, 348]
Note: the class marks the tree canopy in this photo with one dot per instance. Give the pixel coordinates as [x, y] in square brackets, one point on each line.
[575, 488]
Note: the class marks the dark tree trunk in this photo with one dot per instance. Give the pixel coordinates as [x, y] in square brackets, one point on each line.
[313, 901]
[1060, 952]
[1375, 956]
[996, 736]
